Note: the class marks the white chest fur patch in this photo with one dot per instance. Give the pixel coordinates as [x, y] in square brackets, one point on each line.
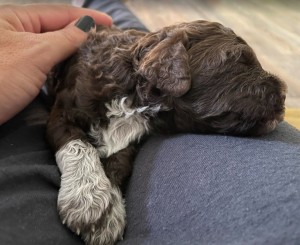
[126, 125]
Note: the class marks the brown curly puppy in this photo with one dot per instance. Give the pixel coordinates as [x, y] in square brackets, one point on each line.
[197, 77]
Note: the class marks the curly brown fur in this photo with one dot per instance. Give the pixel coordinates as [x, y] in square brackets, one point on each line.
[197, 77]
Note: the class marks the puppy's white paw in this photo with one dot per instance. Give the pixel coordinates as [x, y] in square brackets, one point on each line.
[87, 202]
[111, 226]
[81, 205]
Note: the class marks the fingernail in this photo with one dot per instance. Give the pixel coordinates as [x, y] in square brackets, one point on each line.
[85, 23]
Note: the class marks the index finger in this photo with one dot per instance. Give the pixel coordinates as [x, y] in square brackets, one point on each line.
[50, 17]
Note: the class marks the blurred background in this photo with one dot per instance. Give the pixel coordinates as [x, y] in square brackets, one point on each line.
[271, 28]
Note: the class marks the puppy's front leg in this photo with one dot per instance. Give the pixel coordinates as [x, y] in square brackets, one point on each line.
[118, 166]
[87, 202]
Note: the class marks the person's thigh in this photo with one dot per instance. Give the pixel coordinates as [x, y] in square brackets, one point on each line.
[29, 183]
[206, 189]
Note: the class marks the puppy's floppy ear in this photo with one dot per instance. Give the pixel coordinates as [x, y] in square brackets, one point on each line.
[162, 60]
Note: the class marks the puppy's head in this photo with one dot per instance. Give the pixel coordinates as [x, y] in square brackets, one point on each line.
[209, 79]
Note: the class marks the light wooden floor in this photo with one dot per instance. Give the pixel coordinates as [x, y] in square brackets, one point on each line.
[271, 27]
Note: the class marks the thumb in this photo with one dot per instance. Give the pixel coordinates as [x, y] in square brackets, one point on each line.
[64, 42]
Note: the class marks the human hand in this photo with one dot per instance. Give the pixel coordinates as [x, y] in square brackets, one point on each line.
[33, 39]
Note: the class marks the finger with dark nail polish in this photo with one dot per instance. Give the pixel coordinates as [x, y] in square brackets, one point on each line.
[85, 23]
